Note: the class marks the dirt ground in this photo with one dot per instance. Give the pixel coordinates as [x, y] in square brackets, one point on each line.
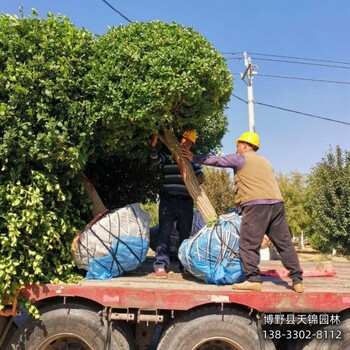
[309, 254]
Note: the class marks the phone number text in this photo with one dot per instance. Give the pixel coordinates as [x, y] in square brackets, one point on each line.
[302, 334]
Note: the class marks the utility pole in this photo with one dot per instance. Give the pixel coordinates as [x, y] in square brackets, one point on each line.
[249, 72]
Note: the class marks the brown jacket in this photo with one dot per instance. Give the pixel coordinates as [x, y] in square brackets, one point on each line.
[256, 180]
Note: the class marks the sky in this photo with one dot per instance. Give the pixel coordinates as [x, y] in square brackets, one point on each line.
[303, 39]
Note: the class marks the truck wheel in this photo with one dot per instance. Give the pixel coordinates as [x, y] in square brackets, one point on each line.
[210, 329]
[10, 333]
[68, 327]
[335, 337]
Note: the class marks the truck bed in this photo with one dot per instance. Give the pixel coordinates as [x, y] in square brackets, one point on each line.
[142, 290]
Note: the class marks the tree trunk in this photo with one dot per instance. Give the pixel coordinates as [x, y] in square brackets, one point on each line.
[97, 204]
[302, 240]
[200, 198]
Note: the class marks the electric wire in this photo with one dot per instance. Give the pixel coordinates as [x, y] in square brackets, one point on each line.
[293, 62]
[298, 78]
[304, 63]
[300, 58]
[235, 58]
[288, 57]
[232, 53]
[306, 79]
[294, 111]
[117, 11]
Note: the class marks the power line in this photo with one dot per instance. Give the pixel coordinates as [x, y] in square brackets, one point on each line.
[239, 98]
[235, 58]
[307, 79]
[232, 53]
[293, 111]
[299, 58]
[304, 63]
[295, 62]
[285, 61]
[115, 10]
[288, 57]
[302, 113]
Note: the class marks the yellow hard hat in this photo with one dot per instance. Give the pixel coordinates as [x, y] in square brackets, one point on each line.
[250, 137]
[190, 135]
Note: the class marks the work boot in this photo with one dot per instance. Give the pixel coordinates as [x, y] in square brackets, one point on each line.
[161, 273]
[247, 285]
[298, 287]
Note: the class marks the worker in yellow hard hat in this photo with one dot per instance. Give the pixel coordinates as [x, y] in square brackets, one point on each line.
[259, 201]
[176, 204]
[190, 135]
[250, 137]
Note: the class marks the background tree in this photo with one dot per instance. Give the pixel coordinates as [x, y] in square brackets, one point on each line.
[293, 187]
[329, 182]
[152, 209]
[219, 188]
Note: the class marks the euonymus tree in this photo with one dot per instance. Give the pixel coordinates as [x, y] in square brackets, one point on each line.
[158, 77]
[45, 135]
[71, 102]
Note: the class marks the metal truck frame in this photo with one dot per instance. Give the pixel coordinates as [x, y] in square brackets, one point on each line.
[139, 311]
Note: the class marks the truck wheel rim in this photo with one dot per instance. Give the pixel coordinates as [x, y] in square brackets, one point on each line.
[64, 342]
[217, 343]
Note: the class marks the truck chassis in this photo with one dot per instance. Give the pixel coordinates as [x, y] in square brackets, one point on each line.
[138, 311]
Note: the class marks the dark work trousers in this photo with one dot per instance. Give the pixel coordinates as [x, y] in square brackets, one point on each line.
[269, 219]
[172, 208]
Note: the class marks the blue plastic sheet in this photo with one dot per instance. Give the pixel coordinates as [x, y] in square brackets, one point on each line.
[127, 254]
[114, 243]
[212, 254]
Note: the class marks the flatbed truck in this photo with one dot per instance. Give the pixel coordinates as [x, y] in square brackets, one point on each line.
[139, 311]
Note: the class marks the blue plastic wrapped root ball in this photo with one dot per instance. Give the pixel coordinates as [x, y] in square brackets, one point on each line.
[212, 255]
[115, 243]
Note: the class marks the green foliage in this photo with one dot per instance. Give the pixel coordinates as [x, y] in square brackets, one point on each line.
[72, 102]
[120, 182]
[219, 189]
[144, 77]
[330, 181]
[42, 113]
[152, 209]
[149, 75]
[293, 187]
[45, 133]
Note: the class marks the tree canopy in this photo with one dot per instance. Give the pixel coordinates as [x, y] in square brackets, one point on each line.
[44, 133]
[330, 181]
[293, 187]
[71, 101]
[220, 189]
[145, 78]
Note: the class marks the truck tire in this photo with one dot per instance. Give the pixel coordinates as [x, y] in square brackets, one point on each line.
[209, 329]
[10, 333]
[327, 338]
[69, 326]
